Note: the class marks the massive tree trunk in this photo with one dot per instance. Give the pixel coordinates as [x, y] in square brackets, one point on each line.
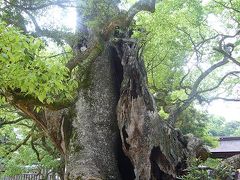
[93, 151]
[154, 150]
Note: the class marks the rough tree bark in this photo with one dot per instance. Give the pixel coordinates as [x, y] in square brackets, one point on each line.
[155, 150]
[93, 152]
[112, 132]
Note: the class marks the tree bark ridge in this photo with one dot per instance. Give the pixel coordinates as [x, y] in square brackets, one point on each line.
[94, 138]
[156, 150]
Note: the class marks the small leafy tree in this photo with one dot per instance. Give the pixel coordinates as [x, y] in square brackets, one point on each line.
[23, 146]
[212, 169]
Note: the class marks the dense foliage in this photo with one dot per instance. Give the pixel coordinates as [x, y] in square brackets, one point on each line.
[23, 146]
[25, 66]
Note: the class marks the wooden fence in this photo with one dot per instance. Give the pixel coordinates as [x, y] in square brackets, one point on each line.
[33, 176]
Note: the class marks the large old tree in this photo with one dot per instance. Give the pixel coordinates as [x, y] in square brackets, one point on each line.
[107, 126]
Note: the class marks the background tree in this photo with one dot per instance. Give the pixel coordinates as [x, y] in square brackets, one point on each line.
[24, 147]
[197, 123]
[219, 127]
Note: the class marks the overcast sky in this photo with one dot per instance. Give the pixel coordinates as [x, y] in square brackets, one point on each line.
[229, 110]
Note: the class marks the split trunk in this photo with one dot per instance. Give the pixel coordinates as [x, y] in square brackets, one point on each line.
[116, 130]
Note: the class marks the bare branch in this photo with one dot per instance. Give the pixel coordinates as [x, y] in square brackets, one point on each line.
[226, 54]
[34, 7]
[220, 82]
[181, 82]
[224, 99]
[57, 35]
[198, 45]
[26, 125]
[194, 91]
[205, 74]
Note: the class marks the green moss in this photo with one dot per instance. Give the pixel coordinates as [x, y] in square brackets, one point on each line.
[75, 147]
[85, 76]
[78, 148]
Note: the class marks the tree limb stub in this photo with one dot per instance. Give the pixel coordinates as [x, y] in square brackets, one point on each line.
[90, 54]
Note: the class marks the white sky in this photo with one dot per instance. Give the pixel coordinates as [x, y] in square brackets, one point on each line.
[229, 110]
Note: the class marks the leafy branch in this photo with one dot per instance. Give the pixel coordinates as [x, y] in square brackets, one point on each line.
[24, 141]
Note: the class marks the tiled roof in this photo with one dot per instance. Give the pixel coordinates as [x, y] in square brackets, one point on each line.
[228, 144]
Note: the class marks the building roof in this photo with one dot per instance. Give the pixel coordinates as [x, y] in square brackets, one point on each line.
[228, 144]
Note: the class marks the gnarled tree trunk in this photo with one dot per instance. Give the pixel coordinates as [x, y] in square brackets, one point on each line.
[155, 150]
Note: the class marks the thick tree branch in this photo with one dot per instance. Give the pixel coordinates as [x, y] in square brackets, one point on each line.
[19, 98]
[46, 119]
[141, 5]
[124, 20]
[90, 54]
